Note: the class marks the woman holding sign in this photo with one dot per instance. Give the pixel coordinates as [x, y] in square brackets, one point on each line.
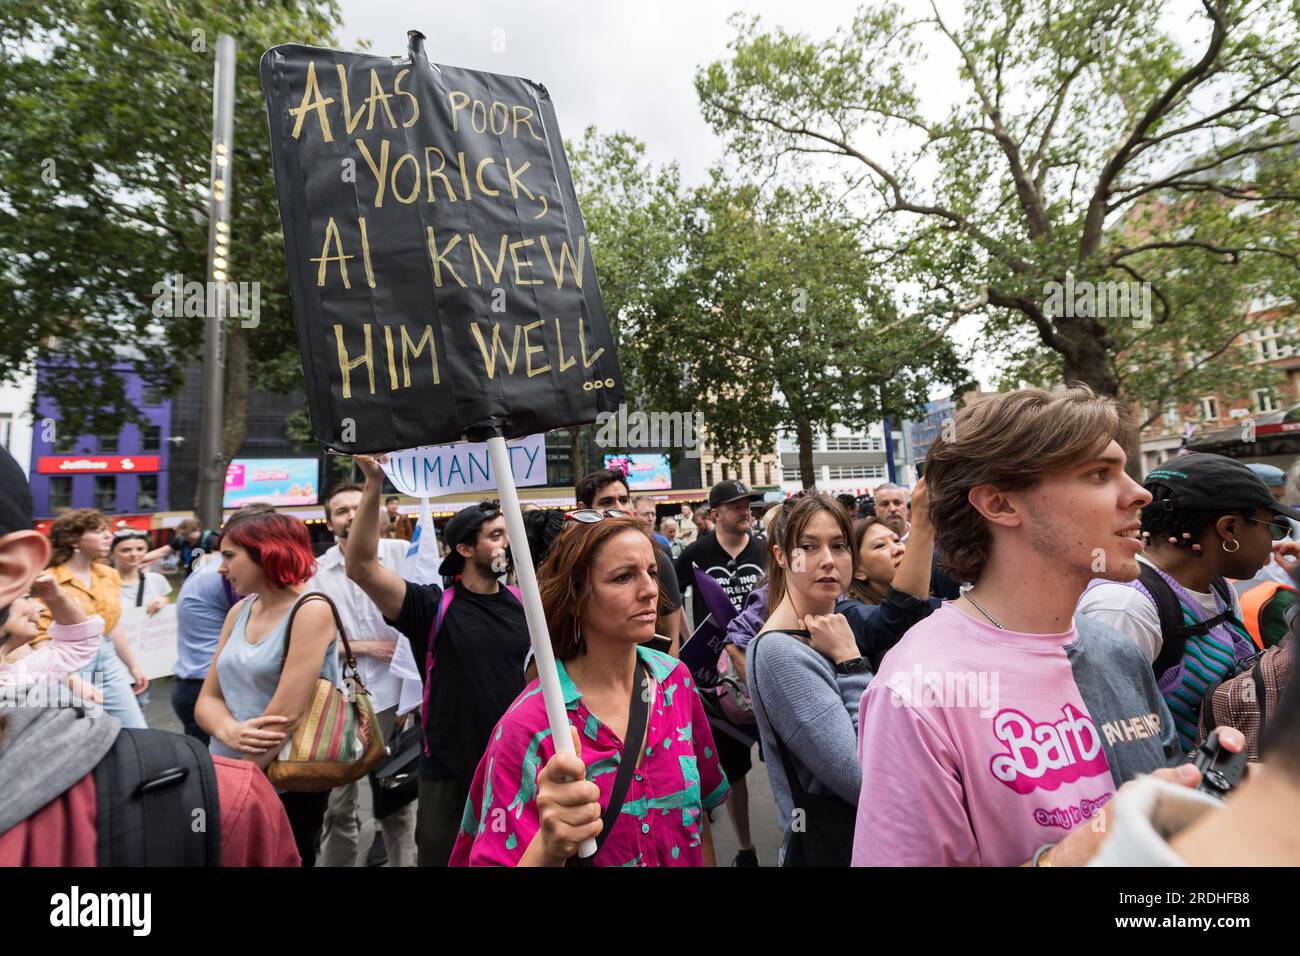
[647, 770]
[146, 589]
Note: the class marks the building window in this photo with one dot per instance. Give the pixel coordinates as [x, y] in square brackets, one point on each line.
[1209, 409]
[6, 429]
[788, 443]
[64, 442]
[1267, 344]
[1264, 400]
[841, 472]
[1171, 416]
[855, 443]
[106, 493]
[151, 396]
[60, 493]
[753, 473]
[108, 444]
[150, 437]
[789, 473]
[146, 493]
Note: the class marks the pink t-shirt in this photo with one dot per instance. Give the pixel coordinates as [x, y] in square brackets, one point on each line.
[979, 745]
[659, 824]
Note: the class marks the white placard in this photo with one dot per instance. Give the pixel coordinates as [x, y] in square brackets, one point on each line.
[435, 470]
[153, 638]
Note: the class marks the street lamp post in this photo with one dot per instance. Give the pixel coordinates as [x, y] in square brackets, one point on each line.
[212, 462]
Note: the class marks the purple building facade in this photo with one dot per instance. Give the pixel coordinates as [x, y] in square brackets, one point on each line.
[122, 475]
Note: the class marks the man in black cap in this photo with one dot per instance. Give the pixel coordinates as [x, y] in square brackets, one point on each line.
[474, 632]
[733, 556]
[1210, 519]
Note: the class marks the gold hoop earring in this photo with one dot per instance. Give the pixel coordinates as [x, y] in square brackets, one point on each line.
[1232, 550]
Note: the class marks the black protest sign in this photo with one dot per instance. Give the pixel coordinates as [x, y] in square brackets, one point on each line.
[442, 279]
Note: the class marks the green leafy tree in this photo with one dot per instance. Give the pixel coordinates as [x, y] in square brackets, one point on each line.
[785, 323]
[1085, 145]
[104, 165]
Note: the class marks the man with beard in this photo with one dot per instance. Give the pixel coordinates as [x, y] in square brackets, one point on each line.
[475, 633]
[999, 728]
[733, 556]
[373, 643]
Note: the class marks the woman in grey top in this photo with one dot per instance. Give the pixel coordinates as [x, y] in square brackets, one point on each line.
[807, 674]
[249, 703]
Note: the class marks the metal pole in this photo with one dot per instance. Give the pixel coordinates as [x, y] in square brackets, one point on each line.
[212, 463]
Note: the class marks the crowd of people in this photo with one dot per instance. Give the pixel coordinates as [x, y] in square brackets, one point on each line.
[1017, 661]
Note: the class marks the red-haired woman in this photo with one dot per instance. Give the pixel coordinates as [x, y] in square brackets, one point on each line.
[635, 719]
[248, 704]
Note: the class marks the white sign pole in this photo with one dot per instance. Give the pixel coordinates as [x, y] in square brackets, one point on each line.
[537, 630]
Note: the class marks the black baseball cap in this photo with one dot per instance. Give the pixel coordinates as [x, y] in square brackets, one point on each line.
[15, 497]
[1204, 482]
[463, 529]
[729, 490]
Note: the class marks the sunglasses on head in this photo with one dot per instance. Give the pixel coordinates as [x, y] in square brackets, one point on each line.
[129, 533]
[592, 515]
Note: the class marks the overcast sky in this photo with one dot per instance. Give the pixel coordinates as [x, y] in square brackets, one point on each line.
[621, 64]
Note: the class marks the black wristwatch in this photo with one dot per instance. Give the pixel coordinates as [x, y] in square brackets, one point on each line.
[854, 665]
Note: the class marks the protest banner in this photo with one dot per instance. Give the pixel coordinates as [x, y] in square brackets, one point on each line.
[153, 637]
[442, 281]
[431, 226]
[466, 466]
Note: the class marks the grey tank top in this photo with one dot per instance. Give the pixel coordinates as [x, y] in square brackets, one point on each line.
[250, 673]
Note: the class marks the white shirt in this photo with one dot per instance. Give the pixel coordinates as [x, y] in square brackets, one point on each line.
[155, 586]
[1132, 613]
[361, 619]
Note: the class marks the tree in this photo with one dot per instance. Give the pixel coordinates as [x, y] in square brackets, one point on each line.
[104, 164]
[784, 323]
[633, 212]
[1087, 148]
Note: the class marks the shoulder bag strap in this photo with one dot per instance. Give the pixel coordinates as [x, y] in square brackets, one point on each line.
[349, 661]
[638, 711]
[139, 592]
[791, 776]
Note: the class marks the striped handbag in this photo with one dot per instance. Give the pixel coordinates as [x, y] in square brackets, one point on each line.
[338, 740]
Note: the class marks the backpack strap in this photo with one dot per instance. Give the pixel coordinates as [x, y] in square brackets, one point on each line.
[147, 788]
[1174, 629]
[1261, 698]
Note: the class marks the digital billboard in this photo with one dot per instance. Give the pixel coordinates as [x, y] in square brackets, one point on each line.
[277, 481]
[644, 472]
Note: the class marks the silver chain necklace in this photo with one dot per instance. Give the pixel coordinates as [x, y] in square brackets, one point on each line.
[970, 597]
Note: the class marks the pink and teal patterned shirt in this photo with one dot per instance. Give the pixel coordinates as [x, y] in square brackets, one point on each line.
[678, 780]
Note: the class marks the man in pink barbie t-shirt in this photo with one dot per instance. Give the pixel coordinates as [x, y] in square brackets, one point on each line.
[998, 728]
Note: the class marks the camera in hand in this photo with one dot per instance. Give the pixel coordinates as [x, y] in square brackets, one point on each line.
[1221, 769]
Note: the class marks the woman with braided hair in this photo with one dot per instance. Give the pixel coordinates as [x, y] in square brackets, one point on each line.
[1210, 519]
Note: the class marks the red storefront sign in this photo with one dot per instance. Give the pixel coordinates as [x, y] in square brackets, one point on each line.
[117, 522]
[97, 464]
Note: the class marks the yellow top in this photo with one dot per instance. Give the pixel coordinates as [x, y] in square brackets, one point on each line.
[103, 597]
